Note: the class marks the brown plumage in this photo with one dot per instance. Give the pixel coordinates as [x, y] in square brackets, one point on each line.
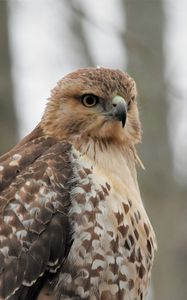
[72, 223]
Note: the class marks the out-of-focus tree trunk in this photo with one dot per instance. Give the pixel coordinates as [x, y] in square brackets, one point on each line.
[79, 36]
[163, 199]
[146, 63]
[8, 132]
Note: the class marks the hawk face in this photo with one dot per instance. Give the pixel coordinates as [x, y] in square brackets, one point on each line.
[95, 102]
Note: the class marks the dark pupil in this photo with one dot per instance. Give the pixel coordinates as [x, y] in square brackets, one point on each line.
[90, 100]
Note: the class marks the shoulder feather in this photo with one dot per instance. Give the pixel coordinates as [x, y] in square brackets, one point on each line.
[34, 202]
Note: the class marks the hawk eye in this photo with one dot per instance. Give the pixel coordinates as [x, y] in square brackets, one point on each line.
[89, 100]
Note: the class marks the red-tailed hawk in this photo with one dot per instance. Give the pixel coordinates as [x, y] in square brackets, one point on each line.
[72, 222]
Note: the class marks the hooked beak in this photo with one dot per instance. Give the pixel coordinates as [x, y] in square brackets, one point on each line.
[119, 111]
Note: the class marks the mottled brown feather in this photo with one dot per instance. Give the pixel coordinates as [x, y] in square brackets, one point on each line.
[34, 206]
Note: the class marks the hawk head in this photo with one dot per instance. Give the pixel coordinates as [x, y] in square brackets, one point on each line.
[94, 102]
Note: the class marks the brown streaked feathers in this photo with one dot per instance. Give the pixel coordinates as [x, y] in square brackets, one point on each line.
[72, 222]
[34, 206]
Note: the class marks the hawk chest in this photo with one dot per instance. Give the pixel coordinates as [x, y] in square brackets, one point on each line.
[109, 254]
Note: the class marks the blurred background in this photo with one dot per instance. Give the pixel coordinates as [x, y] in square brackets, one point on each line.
[42, 40]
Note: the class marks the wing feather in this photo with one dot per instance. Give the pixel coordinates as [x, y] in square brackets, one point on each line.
[34, 204]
